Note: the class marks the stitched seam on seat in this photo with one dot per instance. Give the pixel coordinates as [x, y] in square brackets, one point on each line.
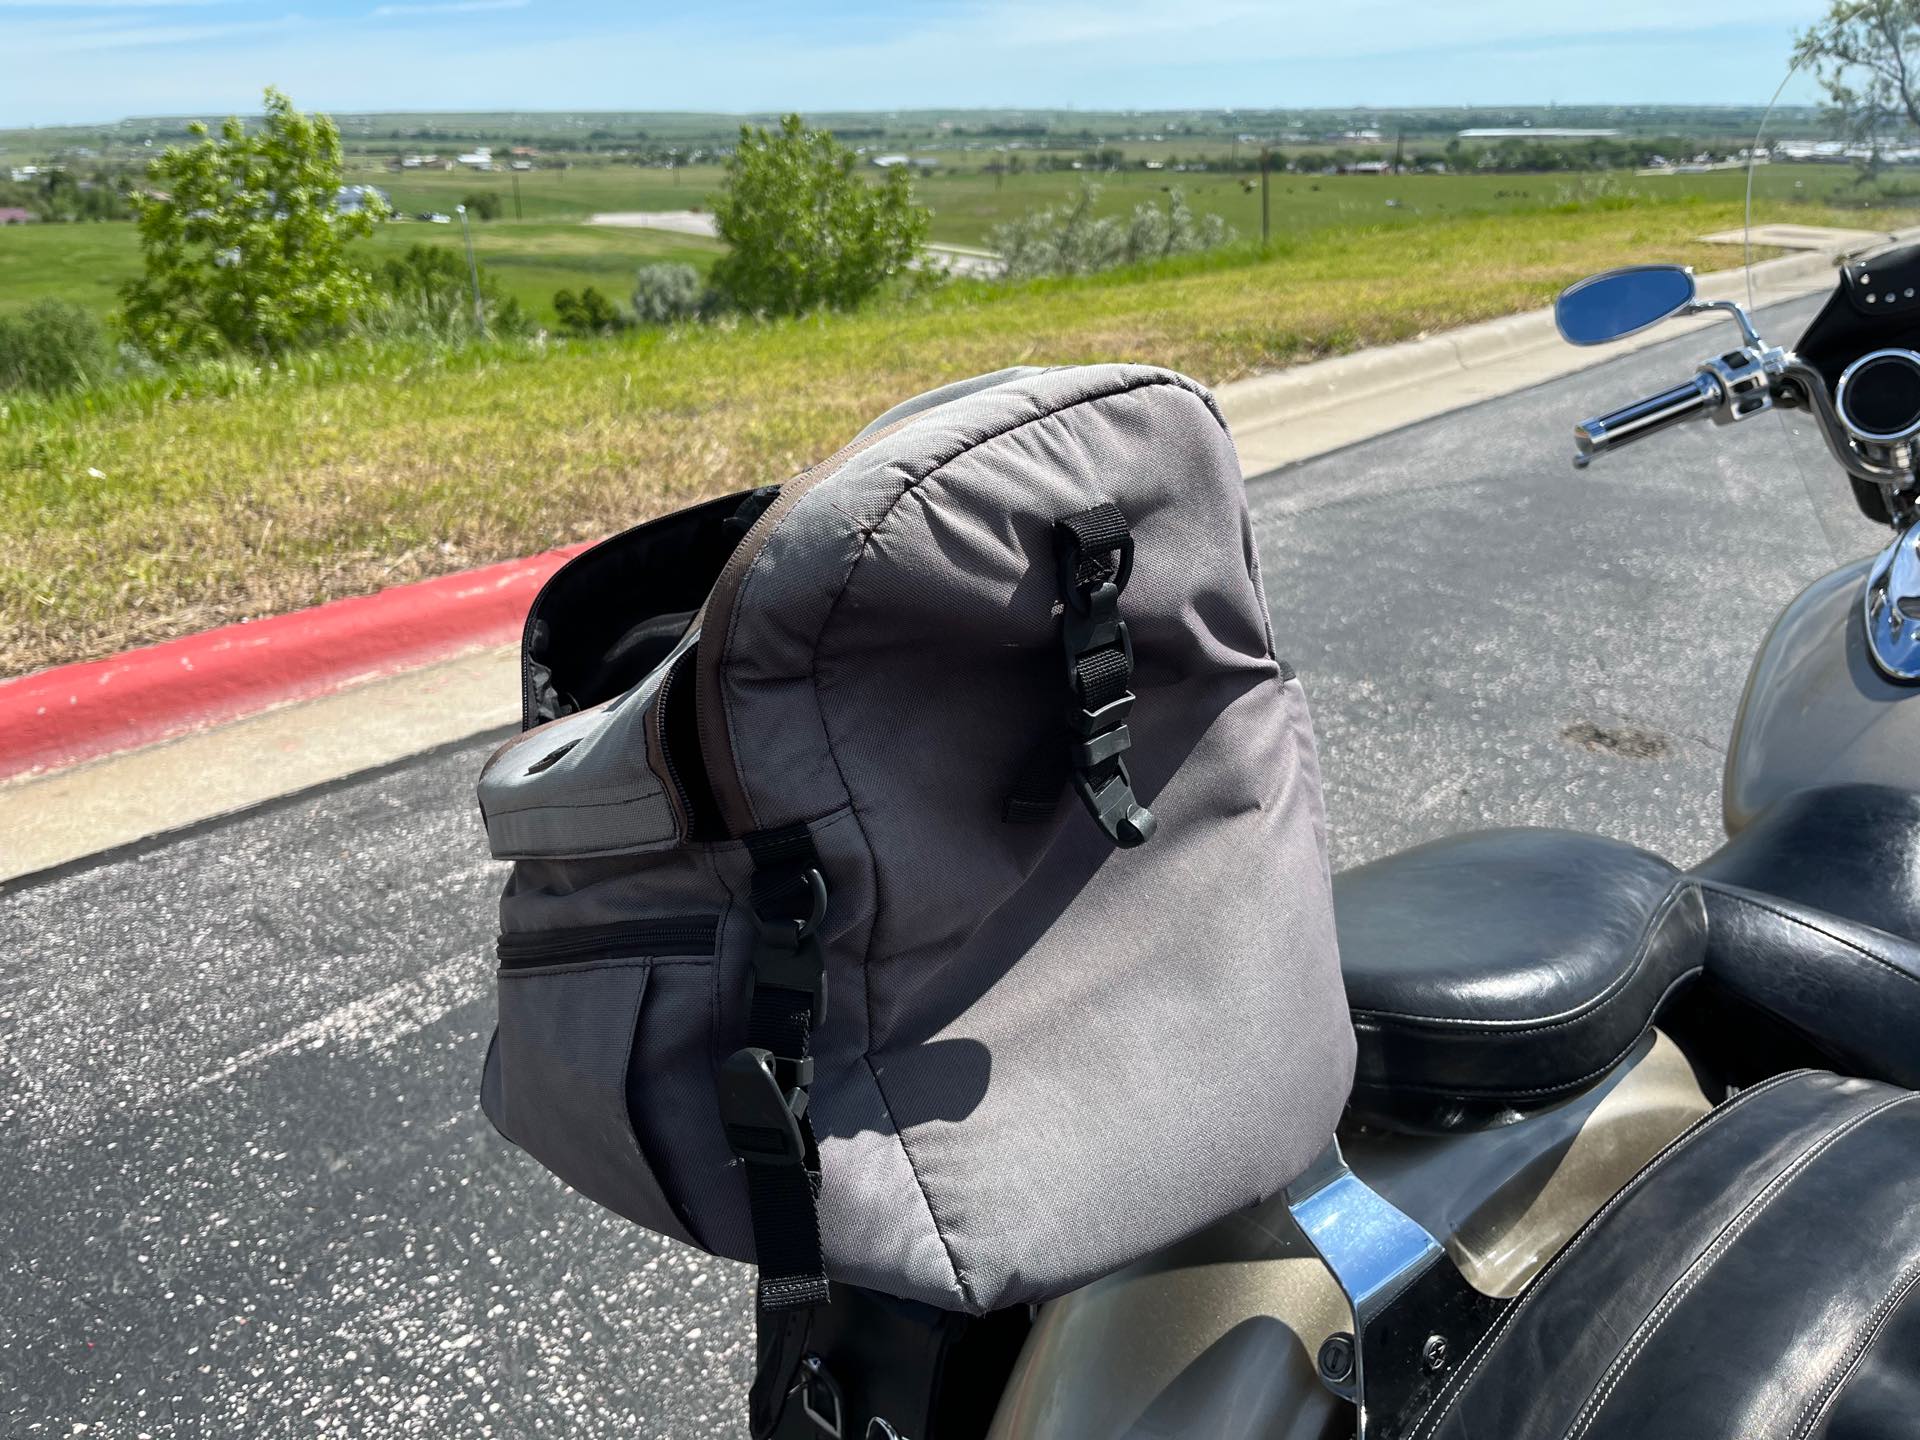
[1711, 1256]
[1586, 1009]
[1473, 1091]
[1478, 1355]
[1741, 897]
[1818, 1402]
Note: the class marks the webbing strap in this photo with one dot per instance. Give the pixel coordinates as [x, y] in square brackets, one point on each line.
[1094, 553]
[764, 1086]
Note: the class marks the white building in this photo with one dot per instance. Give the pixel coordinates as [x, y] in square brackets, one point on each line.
[352, 199]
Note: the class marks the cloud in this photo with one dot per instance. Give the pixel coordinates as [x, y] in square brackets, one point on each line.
[100, 32]
[446, 7]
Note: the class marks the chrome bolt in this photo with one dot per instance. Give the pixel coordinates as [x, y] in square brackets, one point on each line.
[1433, 1354]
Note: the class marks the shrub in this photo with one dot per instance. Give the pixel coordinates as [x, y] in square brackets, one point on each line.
[1074, 241]
[664, 292]
[484, 204]
[589, 313]
[428, 291]
[52, 346]
[804, 230]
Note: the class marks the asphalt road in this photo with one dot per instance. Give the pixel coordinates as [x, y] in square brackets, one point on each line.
[245, 1188]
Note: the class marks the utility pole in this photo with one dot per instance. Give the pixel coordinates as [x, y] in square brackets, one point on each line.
[517, 214]
[473, 271]
[1266, 164]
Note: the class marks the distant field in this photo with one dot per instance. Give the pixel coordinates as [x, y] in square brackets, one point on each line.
[161, 506]
[549, 249]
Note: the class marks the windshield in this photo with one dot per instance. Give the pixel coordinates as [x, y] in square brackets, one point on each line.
[1819, 189]
[1819, 180]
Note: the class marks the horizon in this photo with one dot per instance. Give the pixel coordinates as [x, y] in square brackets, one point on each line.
[166, 59]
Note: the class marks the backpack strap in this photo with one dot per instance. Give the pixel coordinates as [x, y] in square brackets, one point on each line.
[1093, 551]
[764, 1085]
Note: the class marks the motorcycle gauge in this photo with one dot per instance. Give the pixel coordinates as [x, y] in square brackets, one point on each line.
[1878, 397]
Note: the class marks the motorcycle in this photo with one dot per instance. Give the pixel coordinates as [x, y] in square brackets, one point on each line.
[1556, 1030]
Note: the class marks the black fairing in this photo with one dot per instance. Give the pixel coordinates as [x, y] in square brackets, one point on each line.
[1848, 326]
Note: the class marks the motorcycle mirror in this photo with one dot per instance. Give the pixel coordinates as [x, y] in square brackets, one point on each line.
[1618, 303]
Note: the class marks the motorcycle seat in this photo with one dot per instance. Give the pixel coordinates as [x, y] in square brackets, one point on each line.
[1496, 972]
[1760, 1276]
[1814, 920]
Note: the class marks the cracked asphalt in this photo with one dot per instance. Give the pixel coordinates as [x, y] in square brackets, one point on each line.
[245, 1188]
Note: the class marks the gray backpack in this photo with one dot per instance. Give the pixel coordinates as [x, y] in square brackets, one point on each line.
[919, 868]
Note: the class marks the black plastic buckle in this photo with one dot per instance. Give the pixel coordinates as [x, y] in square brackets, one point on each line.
[761, 1117]
[1124, 819]
[1098, 629]
[787, 952]
[1068, 555]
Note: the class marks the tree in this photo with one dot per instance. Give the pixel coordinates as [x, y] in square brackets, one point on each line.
[805, 231]
[484, 204]
[1867, 55]
[241, 245]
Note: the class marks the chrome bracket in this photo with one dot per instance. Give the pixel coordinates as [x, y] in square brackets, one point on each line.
[1892, 607]
[1415, 1318]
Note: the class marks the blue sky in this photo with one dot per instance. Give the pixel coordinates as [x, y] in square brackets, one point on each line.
[63, 61]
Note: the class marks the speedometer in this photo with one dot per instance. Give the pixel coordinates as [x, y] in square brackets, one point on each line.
[1878, 396]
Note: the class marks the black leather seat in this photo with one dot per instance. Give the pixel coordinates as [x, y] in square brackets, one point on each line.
[1814, 921]
[1761, 1276]
[1494, 972]
[1847, 850]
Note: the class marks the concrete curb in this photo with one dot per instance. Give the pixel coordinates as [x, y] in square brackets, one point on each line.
[1289, 415]
[59, 717]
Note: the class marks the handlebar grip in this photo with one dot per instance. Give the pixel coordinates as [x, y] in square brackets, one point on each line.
[1698, 396]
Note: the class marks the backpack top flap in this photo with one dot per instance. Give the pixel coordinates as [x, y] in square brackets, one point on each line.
[1076, 1054]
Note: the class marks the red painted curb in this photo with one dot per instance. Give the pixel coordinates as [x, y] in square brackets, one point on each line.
[79, 712]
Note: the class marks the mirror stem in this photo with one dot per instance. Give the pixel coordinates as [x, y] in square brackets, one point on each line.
[1735, 309]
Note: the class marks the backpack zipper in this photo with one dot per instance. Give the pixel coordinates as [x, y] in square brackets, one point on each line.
[678, 794]
[670, 935]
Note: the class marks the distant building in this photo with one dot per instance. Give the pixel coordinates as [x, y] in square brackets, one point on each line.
[892, 162]
[1536, 132]
[24, 173]
[352, 199]
[1371, 167]
[478, 158]
[14, 215]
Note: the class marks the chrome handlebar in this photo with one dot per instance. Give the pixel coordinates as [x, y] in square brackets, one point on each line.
[1730, 387]
[1699, 396]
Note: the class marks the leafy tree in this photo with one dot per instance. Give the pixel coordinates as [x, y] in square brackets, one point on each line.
[242, 247]
[589, 313]
[805, 231]
[1867, 55]
[484, 204]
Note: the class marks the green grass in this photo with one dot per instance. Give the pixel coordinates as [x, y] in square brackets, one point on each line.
[88, 263]
[173, 503]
